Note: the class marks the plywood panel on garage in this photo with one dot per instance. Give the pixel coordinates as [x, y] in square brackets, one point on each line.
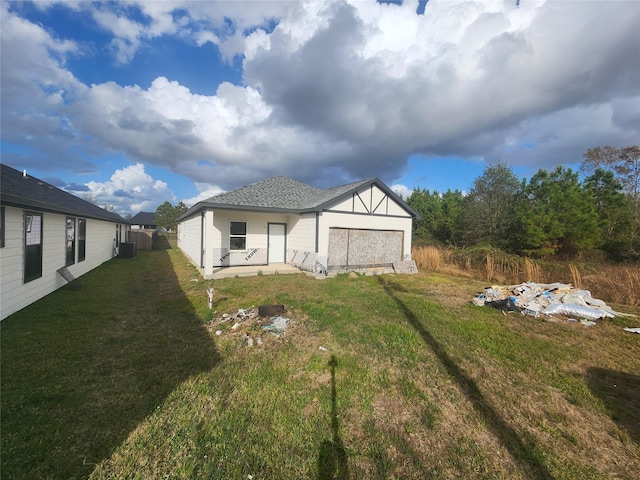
[362, 248]
[338, 246]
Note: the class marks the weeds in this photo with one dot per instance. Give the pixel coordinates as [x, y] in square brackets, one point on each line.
[615, 283]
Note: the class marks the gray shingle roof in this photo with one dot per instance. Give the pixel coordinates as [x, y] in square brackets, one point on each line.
[274, 192]
[143, 218]
[283, 194]
[30, 192]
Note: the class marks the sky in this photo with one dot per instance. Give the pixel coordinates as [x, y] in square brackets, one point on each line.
[131, 104]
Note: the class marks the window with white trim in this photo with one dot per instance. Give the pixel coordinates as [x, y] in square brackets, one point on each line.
[32, 245]
[237, 235]
[82, 239]
[71, 241]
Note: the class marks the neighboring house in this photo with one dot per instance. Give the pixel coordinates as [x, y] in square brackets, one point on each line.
[143, 221]
[361, 226]
[45, 229]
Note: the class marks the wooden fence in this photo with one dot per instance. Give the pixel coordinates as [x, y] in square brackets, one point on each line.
[144, 238]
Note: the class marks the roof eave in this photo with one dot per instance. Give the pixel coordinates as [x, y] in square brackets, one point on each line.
[243, 208]
[20, 202]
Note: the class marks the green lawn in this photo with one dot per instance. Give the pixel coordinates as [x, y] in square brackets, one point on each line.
[126, 378]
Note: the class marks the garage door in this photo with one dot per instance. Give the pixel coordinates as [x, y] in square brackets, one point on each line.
[354, 248]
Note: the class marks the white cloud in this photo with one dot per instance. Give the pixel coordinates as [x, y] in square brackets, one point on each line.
[131, 190]
[337, 90]
[401, 190]
[205, 191]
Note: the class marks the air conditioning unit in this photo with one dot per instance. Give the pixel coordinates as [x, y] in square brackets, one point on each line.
[127, 250]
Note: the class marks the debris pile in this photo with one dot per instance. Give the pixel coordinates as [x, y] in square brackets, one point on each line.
[251, 324]
[549, 299]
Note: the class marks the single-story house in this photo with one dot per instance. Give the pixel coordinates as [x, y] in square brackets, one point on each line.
[143, 221]
[362, 226]
[47, 234]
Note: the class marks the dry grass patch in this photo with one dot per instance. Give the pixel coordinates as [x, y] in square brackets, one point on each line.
[614, 283]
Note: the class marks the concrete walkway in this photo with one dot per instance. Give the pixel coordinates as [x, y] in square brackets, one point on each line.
[254, 270]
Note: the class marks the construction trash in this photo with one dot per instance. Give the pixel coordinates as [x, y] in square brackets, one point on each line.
[535, 299]
[278, 325]
[632, 329]
[249, 326]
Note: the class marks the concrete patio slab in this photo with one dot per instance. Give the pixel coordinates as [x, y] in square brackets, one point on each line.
[254, 270]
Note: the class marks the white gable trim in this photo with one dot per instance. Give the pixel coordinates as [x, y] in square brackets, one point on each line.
[369, 200]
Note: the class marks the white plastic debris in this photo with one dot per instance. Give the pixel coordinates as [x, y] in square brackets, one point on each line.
[576, 311]
[632, 329]
[479, 300]
[218, 332]
[321, 348]
[280, 322]
[278, 325]
[547, 299]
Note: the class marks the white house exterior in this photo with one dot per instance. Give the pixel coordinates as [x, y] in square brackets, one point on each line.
[44, 229]
[362, 226]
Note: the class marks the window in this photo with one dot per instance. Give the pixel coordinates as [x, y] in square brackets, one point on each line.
[71, 241]
[238, 235]
[1, 227]
[32, 246]
[82, 239]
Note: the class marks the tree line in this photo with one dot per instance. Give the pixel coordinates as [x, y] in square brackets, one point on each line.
[167, 214]
[553, 213]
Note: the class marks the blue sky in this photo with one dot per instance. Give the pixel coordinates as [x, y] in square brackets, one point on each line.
[135, 103]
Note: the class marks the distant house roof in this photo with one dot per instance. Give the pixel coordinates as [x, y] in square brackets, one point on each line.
[143, 218]
[283, 194]
[25, 191]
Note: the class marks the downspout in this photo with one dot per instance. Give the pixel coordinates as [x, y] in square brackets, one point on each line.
[202, 239]
[317, 230]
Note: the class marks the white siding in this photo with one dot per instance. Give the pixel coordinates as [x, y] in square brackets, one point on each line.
[190, 238]
[301, 248]
[15, 294]
[302, 232]
[256, 252]
[211, 237]
[216, 238]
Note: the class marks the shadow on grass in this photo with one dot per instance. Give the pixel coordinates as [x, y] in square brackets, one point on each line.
[161, 243]
[81, 370]
[522, 452]
[332, 459]
[620, 393]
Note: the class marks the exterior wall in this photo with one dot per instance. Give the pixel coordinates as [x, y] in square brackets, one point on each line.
[366, 222]
[14, 293]
[301, 246]
[370, 200]
[217, 238]
[302, 232]
[368, 209]
[190, 238]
